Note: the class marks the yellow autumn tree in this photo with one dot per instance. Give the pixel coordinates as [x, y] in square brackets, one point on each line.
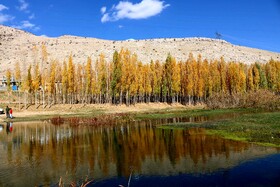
[36, 83]
[133, 75]
[200, 82]
[189, 78]
[18, 73]
[28, 87]
[271, 71]
[158, 80]
[205, 76]
[103, 77]
[71, 79]
[79, 83]
[140, 82]
[250, 81]
[52, 82]
[278, 76]
[88, 79]
[222, 71]
[175, 78]
[233, 77]
[65, 83]
[256, 77]
[242, 78]
[8, 80]
[147, 82]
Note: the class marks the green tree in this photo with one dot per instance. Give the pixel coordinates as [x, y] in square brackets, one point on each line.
[256, 77]
[167, 78]
[116, 77]
[102, 68]
[263, 79]
[271, 73]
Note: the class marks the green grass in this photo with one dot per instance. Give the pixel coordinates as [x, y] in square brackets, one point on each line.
[262, 128]
[167, 127]
[163, 114]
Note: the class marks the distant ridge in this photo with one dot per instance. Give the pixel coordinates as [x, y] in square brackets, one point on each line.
[16, 45]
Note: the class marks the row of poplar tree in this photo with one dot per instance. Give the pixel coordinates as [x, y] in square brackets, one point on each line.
[126, 80]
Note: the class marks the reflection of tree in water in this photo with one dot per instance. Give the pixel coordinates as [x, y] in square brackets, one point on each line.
[114, 150]
[200, 146]
[130, 145]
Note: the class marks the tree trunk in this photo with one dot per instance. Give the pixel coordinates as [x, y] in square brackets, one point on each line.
[121, 98]
[18, 100]
[25, 100]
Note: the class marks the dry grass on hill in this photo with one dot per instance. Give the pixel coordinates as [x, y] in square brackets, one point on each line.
[18, 46]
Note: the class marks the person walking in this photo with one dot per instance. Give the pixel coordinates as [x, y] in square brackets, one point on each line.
[7, 112]
[11, 113]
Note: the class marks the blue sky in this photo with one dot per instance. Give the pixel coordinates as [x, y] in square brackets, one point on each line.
[253, 23]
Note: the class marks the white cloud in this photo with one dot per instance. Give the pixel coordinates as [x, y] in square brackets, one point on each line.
[5, 18]
[23, 5]
[32, 16]
[120, 26]
[27, 25]
[3, 7]
[142, 10]
[105, 18]
[103, 10]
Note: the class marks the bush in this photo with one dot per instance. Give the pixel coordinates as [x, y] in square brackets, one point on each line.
[260, 99]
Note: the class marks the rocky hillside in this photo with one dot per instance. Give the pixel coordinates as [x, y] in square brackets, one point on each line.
[17, 45]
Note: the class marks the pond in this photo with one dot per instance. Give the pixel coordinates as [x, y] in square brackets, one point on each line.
[130, 154]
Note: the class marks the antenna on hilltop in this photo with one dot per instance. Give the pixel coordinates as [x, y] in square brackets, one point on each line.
[218, 35]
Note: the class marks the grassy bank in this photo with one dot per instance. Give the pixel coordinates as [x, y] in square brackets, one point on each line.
[35, 113]
[211, 114]
[261, 128]
[65, 111]
[251, 126]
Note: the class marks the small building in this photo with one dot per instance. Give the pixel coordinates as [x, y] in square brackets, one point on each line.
[14, 84]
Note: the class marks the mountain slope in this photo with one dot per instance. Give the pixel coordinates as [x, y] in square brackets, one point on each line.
[17, 45]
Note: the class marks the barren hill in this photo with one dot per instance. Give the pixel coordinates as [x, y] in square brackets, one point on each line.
[17, 45]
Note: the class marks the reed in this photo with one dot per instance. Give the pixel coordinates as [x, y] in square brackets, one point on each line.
[101, 120]
[75, 184]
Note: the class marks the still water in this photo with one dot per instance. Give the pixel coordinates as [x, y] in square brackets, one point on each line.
[135, 153]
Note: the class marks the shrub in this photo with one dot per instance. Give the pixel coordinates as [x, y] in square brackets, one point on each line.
[260, 99]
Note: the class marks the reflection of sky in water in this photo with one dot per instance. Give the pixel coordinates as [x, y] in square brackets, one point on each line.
[42, 153]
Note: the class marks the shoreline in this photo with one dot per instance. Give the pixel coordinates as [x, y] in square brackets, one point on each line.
[250, 125]
[91, 110]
